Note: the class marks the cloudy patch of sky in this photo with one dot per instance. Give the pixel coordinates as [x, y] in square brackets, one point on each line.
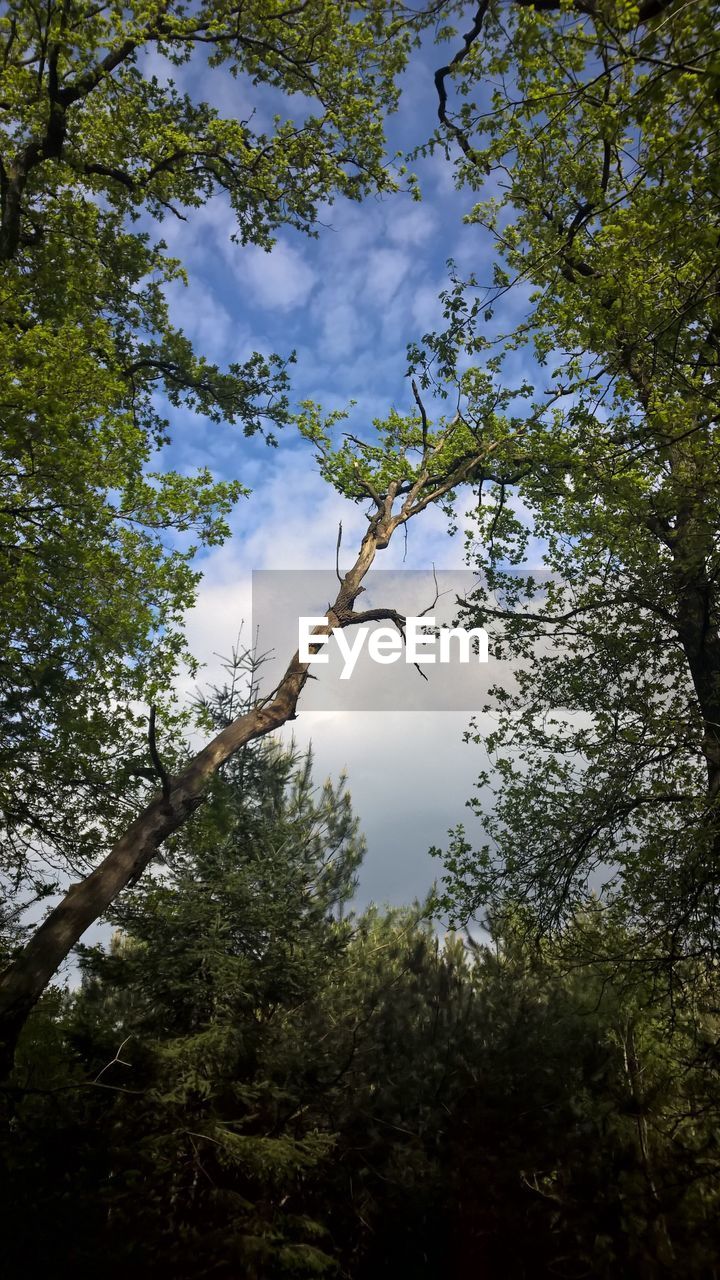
[348, 303]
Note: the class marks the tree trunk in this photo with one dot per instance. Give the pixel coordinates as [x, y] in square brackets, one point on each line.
[25, 980]
[85, 902]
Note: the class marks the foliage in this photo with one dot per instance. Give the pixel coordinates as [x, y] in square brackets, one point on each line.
[97, 537]
[423, 1109]
[232, 934]
[251, 1081]
[594, 157]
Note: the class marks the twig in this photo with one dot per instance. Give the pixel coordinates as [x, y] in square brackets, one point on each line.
[443, 72]
[438, 593]
[112, 1062]
[337, 553]
[423, 414]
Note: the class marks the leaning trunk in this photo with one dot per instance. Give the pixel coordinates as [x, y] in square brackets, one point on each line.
[26, 979]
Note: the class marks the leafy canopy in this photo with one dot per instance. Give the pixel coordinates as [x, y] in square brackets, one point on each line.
[97, 537]
[589, 137]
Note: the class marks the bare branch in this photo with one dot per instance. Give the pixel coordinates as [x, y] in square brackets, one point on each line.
[423, 415]
[112, 1062]
[337, 553]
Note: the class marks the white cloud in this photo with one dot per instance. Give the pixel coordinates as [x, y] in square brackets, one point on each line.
[349, 302]
[384, 270]
[197, 311]
[197, 238]
[411, 226]
[281, 279]
[425, 306]
[344, 328]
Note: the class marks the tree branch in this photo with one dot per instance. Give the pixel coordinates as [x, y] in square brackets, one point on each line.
[26, 978]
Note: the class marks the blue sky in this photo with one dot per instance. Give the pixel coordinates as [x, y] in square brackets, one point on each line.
[348, 303]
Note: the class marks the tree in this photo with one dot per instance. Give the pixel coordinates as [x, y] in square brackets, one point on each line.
[244, 1085]
[411, 467]
[594, 155]
[97, 539]
[231, 1062]
[590, 1152]
[175, 1024]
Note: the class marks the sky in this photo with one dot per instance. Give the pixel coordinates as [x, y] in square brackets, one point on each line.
[348, 303]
